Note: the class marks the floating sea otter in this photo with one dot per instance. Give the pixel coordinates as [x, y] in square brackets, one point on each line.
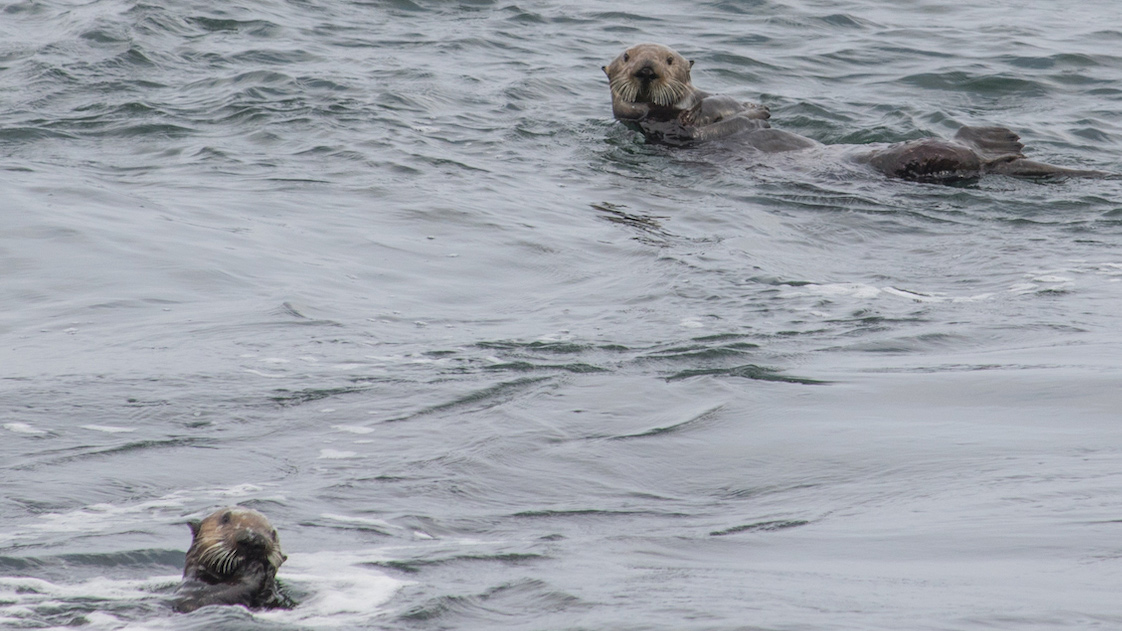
[233, 560]
[651, 92]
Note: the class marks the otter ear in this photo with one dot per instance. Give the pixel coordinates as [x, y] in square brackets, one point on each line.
[605, 69]
[194, 526]
[691, 63]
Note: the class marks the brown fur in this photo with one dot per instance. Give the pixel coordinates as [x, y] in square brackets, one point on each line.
[649, 74]
[233, 560]
[652, 93]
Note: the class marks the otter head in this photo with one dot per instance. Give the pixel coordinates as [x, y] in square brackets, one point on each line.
[649, 73]
[231, 541]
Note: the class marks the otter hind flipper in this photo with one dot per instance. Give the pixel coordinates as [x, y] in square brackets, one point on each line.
[1000, 151]
[992, 144]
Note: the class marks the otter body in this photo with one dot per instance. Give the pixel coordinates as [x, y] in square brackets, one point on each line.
[233, 560]
[652, 93]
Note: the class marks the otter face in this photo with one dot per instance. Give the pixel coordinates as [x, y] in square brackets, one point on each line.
[649, 73]
[232, 540]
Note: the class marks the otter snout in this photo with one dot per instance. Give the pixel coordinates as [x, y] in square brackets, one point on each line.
[253, 540]
[645, 73]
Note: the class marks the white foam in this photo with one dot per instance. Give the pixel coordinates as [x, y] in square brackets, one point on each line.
[344, 592]
[857, 290]
[934, 297]
[913, 295]
[1053, 278]
[360, 521]
[336, 454]
[109, 429]
[106, 517]
[260, 373]
[30, 599]
[354, 429]
[338, 589]
[23, 428]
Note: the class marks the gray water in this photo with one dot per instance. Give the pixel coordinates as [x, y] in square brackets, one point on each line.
[390, 273]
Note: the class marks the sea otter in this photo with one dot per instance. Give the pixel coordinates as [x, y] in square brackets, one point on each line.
[233, 560]
[652, 93]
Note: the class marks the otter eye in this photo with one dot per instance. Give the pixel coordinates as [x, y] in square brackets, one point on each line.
[226, 517]
[626, 57]
[669, 61]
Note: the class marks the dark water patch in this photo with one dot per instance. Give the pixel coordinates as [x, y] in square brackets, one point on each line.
[524, 366]
[21, 135]
[812, 115]
[880, 133]
[779, 282]
[82, 453]
[396, 5]
[1094, 135]
[703, 353]
[149, 130]
[481, 399]
[747, 371]
[968, 83]
[647, 225]
[756, 492]
[1110, 92]
[64, 565]
[502, 601]
[253, 28]
[685, 425]
[414, 566]
[286, 399]
[591, 512]
[26, 7]
[280, 58]
[761, 526]
[112, 36]
[728, 337]
[753, 8]
[133, 402]
[845, 21]
[1059, 60]
[615, 18]
[517, 15]
[563, 348]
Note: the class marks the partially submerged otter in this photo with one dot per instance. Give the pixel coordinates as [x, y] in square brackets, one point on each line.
[652, 92]
[233, 560]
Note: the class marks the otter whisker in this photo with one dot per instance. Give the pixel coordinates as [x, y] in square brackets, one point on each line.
[668, 93]
[219, 559]
[625, 88]
[276, 557]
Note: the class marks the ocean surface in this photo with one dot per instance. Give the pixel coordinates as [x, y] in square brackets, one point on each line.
[389, 272]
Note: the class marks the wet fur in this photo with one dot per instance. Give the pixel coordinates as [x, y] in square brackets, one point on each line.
[650, 73]
[652, 93]
[233, 560]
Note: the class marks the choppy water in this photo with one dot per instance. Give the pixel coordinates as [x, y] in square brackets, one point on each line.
[390, 273]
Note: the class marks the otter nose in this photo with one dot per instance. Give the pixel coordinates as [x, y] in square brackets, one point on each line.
[645, 73]
[251, 539]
